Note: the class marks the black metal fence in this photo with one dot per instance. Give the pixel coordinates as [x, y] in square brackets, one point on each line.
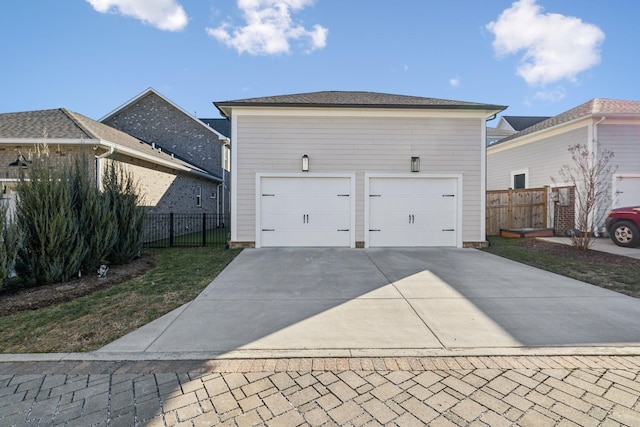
[178, 229]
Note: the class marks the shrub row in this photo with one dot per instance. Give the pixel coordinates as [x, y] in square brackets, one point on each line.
[64, 226]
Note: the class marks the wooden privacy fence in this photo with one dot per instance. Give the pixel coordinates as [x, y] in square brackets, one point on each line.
[522, 208]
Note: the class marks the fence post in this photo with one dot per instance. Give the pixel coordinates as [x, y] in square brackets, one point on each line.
[510, 209]
[204, 229]
[171, 230]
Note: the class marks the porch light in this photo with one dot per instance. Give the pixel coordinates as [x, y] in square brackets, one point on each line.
[305, 163]
[415, 164]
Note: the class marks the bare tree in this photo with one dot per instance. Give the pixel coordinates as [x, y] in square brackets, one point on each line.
[590, 173]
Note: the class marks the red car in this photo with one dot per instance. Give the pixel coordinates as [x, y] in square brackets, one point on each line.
[624, 226]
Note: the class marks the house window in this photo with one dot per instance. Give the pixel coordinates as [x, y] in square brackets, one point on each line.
[226, 157]
[519, 181]
[198, 195]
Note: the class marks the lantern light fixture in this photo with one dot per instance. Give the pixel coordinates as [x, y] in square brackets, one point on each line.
[415, 164]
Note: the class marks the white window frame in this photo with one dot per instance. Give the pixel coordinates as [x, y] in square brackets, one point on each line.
[199, 196]
[524, 172]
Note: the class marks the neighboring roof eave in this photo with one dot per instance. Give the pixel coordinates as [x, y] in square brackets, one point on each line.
[164, 98]
[169, 164]
[596, 108]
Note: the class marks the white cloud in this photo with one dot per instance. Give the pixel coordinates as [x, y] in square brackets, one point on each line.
[549, 95]
[455, 82]
[269, 28]
[163, 14]
[556, 47]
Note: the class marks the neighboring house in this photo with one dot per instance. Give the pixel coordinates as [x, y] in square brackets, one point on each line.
[165, 182]
[518, 123]
[494, 134]
[156, 120]
[357, 169]
[533, 157]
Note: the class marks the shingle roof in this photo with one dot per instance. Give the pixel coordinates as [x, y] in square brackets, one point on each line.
[343, 99]
[599, 107]
[223, 126]
[64, 124]
[519, 123]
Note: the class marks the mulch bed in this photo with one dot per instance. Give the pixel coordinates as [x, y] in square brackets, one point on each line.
[569, 252]
[13, 301]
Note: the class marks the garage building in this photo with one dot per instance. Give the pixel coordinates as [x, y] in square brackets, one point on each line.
[357, 169]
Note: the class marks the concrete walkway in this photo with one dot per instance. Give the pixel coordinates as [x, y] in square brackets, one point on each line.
[403, 337]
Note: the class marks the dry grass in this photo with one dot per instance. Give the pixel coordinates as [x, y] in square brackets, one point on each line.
[89, 322]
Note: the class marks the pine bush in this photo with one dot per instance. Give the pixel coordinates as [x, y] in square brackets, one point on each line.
[121, 192]
[53, 248]
[10, 243]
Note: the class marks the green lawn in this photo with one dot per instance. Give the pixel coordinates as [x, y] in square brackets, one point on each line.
[618, 273]
[90, 322]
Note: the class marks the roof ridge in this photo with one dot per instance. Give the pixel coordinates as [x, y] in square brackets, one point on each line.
[73, 117]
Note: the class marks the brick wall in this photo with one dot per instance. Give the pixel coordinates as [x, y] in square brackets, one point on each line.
[164, 191]
[564, 210]
[154, 120]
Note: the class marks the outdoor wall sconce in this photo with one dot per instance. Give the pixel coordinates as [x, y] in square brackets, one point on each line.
[305, 163]
[415, 164]
[21, 161]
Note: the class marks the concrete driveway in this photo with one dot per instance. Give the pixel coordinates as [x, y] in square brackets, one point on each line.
[379, 302]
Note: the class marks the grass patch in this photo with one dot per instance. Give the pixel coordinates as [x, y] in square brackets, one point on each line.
[614, 272]
[90, 322]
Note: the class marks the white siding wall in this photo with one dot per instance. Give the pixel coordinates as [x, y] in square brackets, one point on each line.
[543, 158]
[358, 144]
[624, 141]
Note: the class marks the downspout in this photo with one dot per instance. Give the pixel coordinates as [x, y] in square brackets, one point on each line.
[99, 165]
[483, 198]
[594, 150]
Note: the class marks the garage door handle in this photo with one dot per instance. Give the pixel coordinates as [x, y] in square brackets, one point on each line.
[268, 195]
[448, 229]
[343, 229]
[268, 229]
[374, 230]
[375, 195]
[343, 195]
[448, 195]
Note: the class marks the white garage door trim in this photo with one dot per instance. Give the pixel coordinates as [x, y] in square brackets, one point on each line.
[617, 199]
[352, 199]
[459, 199]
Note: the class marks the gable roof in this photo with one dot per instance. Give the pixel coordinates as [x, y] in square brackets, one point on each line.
[62, 124]
[597, 107]
[223, 126]
[519, 123]
[152, 91]
[344, 99]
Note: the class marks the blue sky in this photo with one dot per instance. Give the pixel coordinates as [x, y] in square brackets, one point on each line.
[539, 57]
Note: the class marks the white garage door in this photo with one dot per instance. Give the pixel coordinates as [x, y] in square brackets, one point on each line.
[627, 191]
[305, 211]
[412, 212]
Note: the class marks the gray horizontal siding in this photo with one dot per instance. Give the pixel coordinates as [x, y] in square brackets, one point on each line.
[544, 159]
[624, 141]
[358, 144]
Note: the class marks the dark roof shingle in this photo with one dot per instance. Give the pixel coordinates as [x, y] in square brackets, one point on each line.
[519, 123]
[350, 99]
[64, 124]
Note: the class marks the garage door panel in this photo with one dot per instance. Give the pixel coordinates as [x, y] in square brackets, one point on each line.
[305, 211]
[627, 191]
[412, 212]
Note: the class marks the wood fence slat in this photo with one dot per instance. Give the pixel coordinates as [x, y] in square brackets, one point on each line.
[521, 208]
